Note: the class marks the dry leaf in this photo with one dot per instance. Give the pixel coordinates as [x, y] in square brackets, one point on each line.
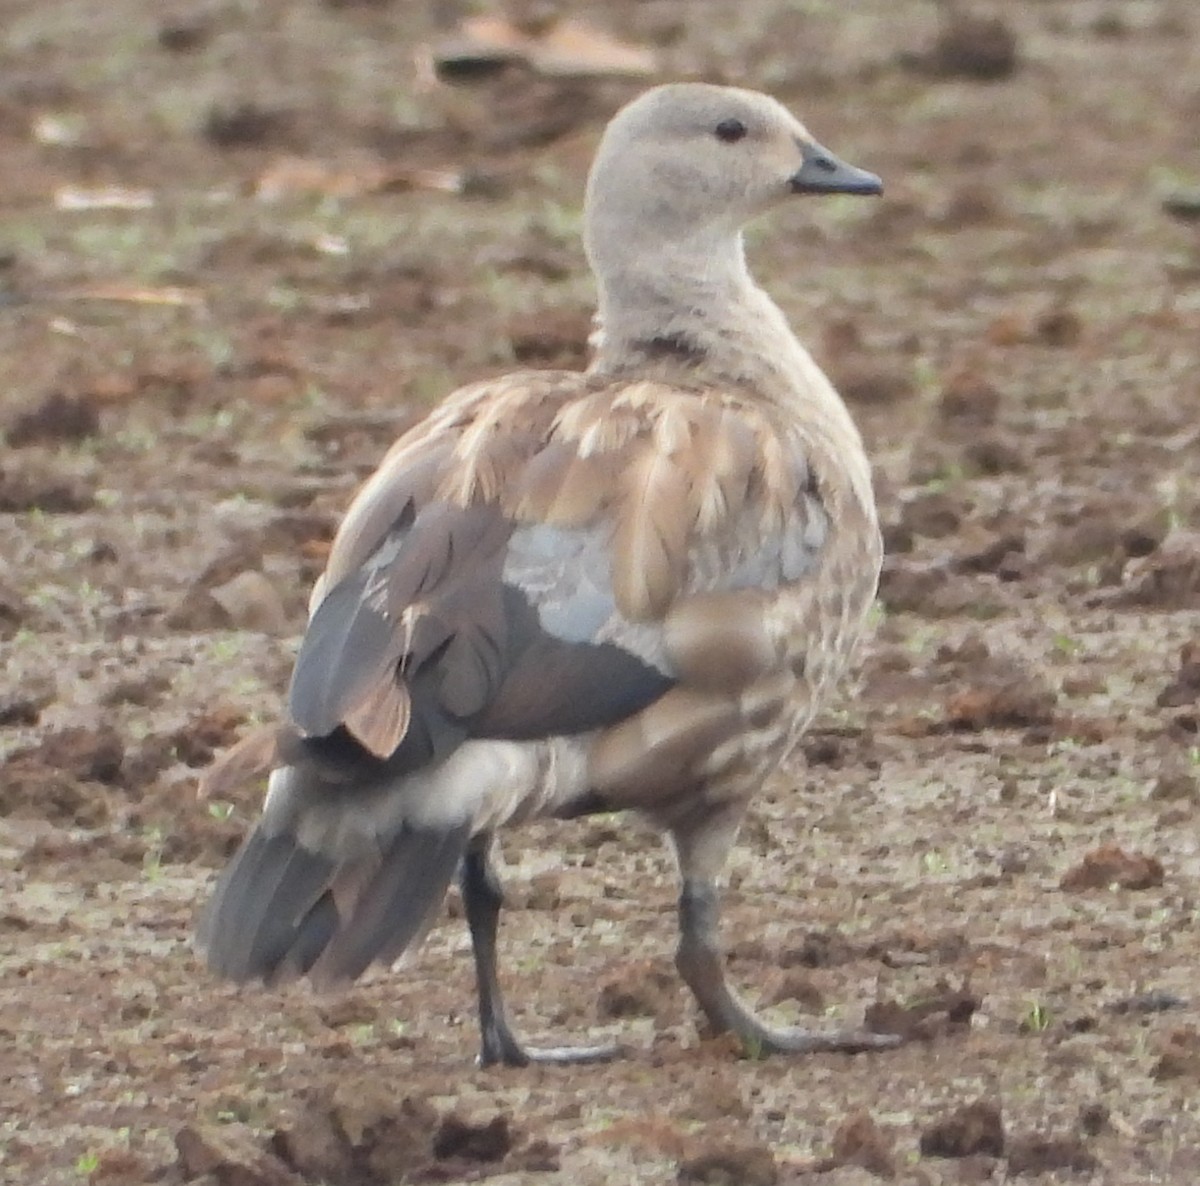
[328, 244]
[565, 49]
[289, 176]
[102, 197]
[60, 131]
[136, 294]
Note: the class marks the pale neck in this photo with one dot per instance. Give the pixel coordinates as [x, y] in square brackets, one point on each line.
[697, 315]
[693, 304]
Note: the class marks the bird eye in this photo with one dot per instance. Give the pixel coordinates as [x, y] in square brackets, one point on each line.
[730, 130]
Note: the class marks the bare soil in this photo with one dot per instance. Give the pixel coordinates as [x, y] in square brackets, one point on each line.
[992, 843]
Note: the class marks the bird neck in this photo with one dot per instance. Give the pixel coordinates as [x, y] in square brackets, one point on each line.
[669, 300]
[695, 306]
[693, 314]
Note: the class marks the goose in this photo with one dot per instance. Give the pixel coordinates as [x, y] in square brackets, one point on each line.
[565, 593]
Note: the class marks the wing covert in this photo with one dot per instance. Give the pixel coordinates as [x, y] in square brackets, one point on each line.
[543, 560]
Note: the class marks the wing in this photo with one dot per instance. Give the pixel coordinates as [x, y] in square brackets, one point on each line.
[546, 555]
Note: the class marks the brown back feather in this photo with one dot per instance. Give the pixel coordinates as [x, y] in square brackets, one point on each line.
[666, 468]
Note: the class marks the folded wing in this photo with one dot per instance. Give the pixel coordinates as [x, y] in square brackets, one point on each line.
[543, 557]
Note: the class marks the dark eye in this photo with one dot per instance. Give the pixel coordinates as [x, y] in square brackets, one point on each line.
[730, 130]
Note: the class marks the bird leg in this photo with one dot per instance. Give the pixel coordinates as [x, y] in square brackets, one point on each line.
[701, 963]
[482, 900]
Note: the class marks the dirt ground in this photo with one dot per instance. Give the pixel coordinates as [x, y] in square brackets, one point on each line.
[228, 277]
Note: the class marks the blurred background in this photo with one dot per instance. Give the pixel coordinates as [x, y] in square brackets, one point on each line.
[244, 244]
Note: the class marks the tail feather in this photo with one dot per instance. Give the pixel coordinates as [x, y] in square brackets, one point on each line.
[264, 903]
[399, 903]
[281, 910]
[290, 888]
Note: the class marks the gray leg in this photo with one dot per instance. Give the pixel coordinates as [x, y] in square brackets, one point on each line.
[482, 900]
[701, 851]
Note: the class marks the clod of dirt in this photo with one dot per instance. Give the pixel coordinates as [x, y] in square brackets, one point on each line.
[1146, 532]
[252, 602]
[794, 987]
[197, 742]
[970, 653]
[1094, 1119]
[245, 124]
[927, 589]
[819, 949]
[1107, 536]
[56, 419]
[1111, 865]
[1179, 1056]
[1002, 695]
[860, 1141]
[934, 514]
[970, 205]
[864, 382]
[860, 374]
[23, 705]
[641, 990]
[1038, 1153]
[144, 762]
[1003, 554]
[831, 748]
[896, 539]
[246, 601]
[991, 455]
[977, 1127]
[308, 532]
[142, 690]
[316, 1148]
[1184, 688]
[944, 1011]
[92, 754]
[1184, 205]
[730, 1165]
[1059, 326]
[1094, 539]
[457, 1139]
[536, 1157]
[1111, 26]
[1154, 1001]
[841, 337]
[1009, 329]
[543, 891]
[14, 610]
[365, 1137]
[348, 1009]
[238, 557]
[513, 108]
[551, 337]
[1176, 786]
[981, 48]
[119, 1167]
[969, 399]
[183, 34]
[34, 790]
[31, 488]
[229, 1154]
[1167, 579]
